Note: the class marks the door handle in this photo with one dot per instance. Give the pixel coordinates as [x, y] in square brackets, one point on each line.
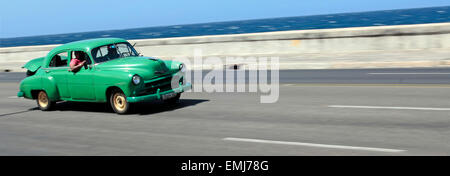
[47, 71]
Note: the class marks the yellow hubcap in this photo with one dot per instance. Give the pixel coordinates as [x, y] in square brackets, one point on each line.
[119, 102]
[43, 99]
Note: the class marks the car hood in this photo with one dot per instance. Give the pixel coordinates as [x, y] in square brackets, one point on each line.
[146, 67]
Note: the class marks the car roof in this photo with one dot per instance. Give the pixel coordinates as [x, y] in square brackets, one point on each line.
[86, 45]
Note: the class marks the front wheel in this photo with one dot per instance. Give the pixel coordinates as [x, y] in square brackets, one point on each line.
[43, 102]
[119, 102]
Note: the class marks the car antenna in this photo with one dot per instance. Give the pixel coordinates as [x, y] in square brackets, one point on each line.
[135, 48]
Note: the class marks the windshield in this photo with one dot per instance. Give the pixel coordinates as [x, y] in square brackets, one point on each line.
[113, 51]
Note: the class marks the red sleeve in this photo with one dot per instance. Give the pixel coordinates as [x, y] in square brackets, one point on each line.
[74, 62]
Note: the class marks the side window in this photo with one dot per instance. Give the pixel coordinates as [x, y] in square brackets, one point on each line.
[59, 60]
[100, 54]
[82, 56]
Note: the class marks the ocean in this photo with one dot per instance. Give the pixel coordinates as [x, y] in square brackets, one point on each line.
[342, 20]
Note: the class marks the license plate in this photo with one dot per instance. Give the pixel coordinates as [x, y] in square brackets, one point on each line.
[168, 96]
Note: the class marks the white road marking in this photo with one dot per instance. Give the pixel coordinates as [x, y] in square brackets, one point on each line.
[313, 145]
[443, 73]
[390, 107]
[15, 97]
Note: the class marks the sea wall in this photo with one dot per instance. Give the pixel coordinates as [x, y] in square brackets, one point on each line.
[421, 45]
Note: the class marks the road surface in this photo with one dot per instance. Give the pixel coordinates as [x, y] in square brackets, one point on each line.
[319, 112]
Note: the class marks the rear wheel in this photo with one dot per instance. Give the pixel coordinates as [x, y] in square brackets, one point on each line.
[43, 102]
[119, 102]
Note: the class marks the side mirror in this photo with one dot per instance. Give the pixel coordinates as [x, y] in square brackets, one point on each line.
[88, 66]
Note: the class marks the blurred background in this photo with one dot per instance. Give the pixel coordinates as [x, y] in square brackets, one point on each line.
[357, 77]
[317, 34]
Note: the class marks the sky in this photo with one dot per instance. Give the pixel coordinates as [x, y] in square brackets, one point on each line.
[20, 18]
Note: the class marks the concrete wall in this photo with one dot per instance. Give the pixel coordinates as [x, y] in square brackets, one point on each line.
[423, 45]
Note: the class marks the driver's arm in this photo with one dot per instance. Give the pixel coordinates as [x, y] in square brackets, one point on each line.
[74, 67]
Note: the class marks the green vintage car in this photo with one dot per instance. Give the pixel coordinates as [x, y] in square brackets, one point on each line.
[119, 77]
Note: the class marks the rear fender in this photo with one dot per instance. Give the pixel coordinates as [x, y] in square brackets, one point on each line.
[29, 84]
[50, 87]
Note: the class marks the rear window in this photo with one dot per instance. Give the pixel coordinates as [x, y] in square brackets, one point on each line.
[59, 60]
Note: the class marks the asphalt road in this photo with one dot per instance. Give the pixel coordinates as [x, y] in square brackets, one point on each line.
[319, 112]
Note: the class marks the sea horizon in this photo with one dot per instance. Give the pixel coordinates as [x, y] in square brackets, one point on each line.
[324, 21]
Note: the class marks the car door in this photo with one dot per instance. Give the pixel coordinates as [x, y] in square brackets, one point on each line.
[81, 83]
[58, 70]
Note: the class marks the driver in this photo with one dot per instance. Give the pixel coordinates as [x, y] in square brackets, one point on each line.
[112, 52]
[77, 62]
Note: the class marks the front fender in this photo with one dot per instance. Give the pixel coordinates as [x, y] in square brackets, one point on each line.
[173, 65]
[107, 79]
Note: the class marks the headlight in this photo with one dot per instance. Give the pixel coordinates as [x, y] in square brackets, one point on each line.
[182, 68]
[136, 79]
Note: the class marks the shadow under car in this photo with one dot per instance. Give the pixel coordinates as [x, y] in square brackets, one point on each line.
[138, 108]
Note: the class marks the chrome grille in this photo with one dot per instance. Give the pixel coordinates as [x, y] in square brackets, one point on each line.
[162, 84]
